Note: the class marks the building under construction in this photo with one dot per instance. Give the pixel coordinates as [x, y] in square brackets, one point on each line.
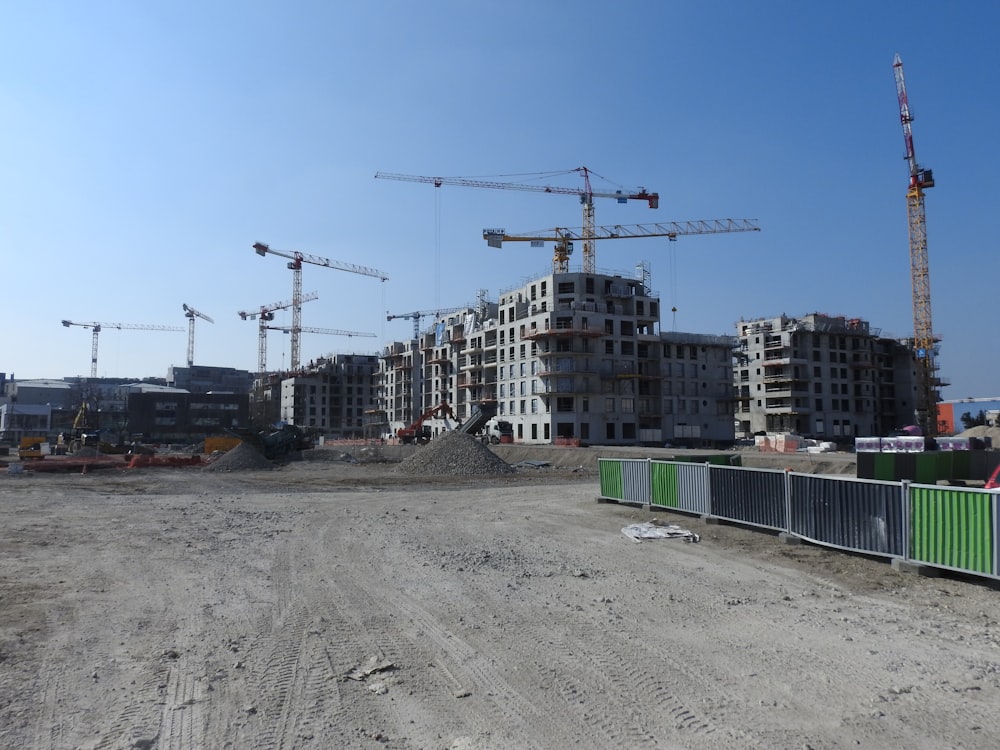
[821, 376]
[568, 358]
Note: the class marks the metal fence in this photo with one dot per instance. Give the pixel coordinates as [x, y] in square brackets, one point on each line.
[953, 528]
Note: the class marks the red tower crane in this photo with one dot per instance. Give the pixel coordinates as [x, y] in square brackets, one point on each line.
[924, 341]
[586, 196]
[296, 259]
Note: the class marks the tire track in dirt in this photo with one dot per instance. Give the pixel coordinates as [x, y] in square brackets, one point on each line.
[528, 722]
[182, 724]
[137, 724]
[295, 684]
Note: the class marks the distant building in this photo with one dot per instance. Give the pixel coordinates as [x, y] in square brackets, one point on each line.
[331, 395]
[170, 415]
[203, 379]
[820, 376]
[950, 413]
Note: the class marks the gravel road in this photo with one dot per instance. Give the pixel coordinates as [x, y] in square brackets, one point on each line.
[334, 604]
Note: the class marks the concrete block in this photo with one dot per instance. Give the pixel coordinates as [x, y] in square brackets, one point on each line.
[711, 519]
[787, 538]
[909, 566]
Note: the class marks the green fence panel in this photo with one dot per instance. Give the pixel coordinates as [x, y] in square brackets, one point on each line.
[611, 479]
[952, 527]
[885, 467]
[961, 465]
[664, 485]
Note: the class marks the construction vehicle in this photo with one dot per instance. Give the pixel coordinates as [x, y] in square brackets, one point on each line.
[276, 442]
[419, 433]
[500, 431]
[31, 448]
[924, 340]
[85, 432]
[481, 414]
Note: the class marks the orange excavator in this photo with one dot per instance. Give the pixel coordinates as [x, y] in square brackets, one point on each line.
[417, 431]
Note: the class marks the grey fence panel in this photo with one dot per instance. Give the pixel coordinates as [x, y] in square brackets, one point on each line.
[751, 496]
[694, 492]
[635, 480]
[856, 514]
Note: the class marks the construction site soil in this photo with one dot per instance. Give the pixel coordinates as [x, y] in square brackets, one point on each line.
[458, 597]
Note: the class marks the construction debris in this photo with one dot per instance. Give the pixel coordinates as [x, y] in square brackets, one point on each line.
[244, 457]
[658, 530]
[454, 453]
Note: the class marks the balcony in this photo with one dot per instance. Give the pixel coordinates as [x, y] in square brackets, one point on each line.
[562, 330]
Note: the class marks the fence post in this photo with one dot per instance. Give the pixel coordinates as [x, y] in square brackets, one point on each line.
[904, 488]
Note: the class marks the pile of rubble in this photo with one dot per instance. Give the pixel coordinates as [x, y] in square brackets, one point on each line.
[454, 453]
[243, 457]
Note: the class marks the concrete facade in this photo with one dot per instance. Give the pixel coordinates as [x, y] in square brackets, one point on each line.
[568, 357]
[331, 395]
[820, 376]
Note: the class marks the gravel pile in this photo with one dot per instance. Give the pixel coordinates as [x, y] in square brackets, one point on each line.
[327, 454]
[454, 453]
[244, 457]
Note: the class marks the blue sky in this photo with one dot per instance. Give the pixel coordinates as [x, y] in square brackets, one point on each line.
[147, 145]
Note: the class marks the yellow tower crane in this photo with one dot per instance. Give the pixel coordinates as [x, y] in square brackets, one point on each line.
[586, 196]
[564, 238]
[924, 340]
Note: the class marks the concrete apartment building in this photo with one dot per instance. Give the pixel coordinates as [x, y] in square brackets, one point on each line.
[826, 377]
[567, 357]
[331, 395]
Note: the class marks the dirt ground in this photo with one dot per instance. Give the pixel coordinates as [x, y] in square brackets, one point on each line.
[328, 604]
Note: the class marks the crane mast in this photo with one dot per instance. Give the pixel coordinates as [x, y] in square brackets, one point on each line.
[924, 341]
[296, 259]
[96, 328]
[191, 314]
[586, 197]
[265, 314]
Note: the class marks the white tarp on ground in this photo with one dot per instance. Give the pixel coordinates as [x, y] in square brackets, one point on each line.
[658, 530]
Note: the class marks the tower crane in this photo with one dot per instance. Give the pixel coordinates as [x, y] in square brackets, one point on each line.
[296, 259]
[327, 331]
[416, 315]
[924, 341]
[97, 327]
[265, 314]
[564, 237]
[586, 196]
[191, 314]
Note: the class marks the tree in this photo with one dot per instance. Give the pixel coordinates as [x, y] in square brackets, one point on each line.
[968, 422]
